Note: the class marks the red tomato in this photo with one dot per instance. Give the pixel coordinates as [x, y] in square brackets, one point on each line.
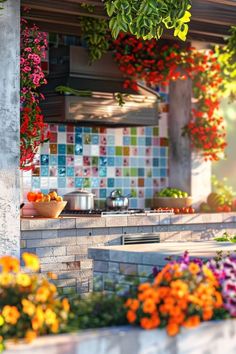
[176, 210]
[219, 209]
[191, 210]
[227, 208]
[31, 196]
[39, 196]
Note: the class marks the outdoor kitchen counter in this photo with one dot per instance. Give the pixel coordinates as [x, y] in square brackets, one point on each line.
[62, 244]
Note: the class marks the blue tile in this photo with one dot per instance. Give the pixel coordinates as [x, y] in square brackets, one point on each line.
[35, 182]
[141, 161]
[62, 171]
[141, 141]
[141, 151]
[78, 138]
[53, 159]
[133, 162]
[61, 128]
[164, 97]
[61, 160]
[111, 161]
[44, 191]
[133, 203]
[163, 152]
[163, 172]
[148, 193]
[148, 141]
[163, 162]
[95, 139]
[110, 140]
[78, 129]
[126, 140]
[61, 149]
[118, 182]
[110, 150]
[102, 172]
[102, 193]
[148, 131]
[44, 172]
[118, 161]
[126, 182]
[95, 182]
[126, 191]
[148, 182]
[102, 161]
[156, 172]
[70, 171]
[156, 151]
[87, 129]
[44, 159]
[61, 182]
[78, 149]
[155, 162]
[78, 182]
[141, 172]
[111, 182]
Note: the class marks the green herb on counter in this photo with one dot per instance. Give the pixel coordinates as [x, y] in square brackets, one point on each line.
[68, 90]
[226, 238]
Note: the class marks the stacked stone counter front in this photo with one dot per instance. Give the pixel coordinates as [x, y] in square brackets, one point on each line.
[62, 244]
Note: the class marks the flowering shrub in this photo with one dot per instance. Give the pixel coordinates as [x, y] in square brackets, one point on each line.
[156, 63]
[29, 305]
[33, 129]
[225, 271]
[182, 294]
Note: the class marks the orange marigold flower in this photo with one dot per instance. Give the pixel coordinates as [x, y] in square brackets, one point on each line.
[193, 268]
[28, 307]
[65, 305]
[207, 314]
[147, 323]
[163, 291]
[144, 286]
[31, 261]
[134, 305]
[30, 335]
[55, 326]
[131, 316]
[172, 329]
[192, 321]
[10, 314]
[38, 319]
[42, 294]
[149, 306]
[219, 300]
[9, 264]
[179, 288]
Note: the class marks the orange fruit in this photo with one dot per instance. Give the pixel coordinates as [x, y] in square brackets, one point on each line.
[39, 196]
[31, 196]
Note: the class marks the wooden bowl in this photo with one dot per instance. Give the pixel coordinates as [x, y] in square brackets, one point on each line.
[49, 209]
[169, 202]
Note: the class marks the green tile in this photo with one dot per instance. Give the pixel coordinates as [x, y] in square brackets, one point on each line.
[94, 130]
[134, 172]
[156, 131]
[133, 140]
[126, 172]
[87, 139]
[133, 131]
[134, 193]
[70, 150]
[86, 183]
[94, 160]
[119, 151]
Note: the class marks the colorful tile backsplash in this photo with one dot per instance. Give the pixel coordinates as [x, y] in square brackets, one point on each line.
[134, 160]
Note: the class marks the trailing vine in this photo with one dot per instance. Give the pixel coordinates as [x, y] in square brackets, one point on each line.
[148, 18]
[95, 33]
[32, 130]
[154, 63]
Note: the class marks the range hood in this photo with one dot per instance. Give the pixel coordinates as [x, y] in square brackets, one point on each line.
[99, 84]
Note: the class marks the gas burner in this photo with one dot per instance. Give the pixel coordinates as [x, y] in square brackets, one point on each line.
[104, 212]
[93, 212]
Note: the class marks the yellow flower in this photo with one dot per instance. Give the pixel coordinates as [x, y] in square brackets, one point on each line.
[38, 319]
[31, 261]
[52, 276]
[10, 314]
[23, 280]
[6, 279]
[28, 307]
[30, 335]
[1, 322]
[9, 264]
[66, 305]
[55, 326]
[50, 317]
[42, 294]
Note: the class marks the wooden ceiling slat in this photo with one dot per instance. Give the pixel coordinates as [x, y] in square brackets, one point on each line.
[223, 2]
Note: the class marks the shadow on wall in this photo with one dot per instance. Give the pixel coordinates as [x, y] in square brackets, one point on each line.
[227, 167]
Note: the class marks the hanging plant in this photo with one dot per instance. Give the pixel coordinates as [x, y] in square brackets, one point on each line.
[148, 18]
[156, 63]
[33, 129]
[95, 34]
[1, 2]
[227, 60]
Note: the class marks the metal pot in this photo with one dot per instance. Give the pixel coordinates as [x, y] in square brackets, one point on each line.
[116, 201]
[79, 200]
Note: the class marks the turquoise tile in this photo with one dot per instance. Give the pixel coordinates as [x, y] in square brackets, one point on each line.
[78, 139]
[95, 139]
[163, 151]
[111, 182]
[61, 160]
[70, 171]
[126, 140]
[110, 140]
[78, 149]
[102, 161]
[118, 182]
[61, 171]
[111, 150]
[36, 182]
[155, 162]
[103, 193]
[61, 149]
[163, 162]
[61, 128]
[44, 159]
[102, 172]
[78, 182]
[95, 182]
[61, 182]
[44, 171]
[78, 129]
[118, 161]
[111, 161]
[163, 172]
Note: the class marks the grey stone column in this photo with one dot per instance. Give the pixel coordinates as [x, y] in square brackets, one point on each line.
[187, 171]
[9, 127]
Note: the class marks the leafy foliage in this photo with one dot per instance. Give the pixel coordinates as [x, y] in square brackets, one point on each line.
[227, 60]
[1, 2]
[223, 189]
[148, 18]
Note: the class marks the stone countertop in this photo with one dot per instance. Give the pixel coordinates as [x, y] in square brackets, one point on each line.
[34, 223]
[156, 253]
